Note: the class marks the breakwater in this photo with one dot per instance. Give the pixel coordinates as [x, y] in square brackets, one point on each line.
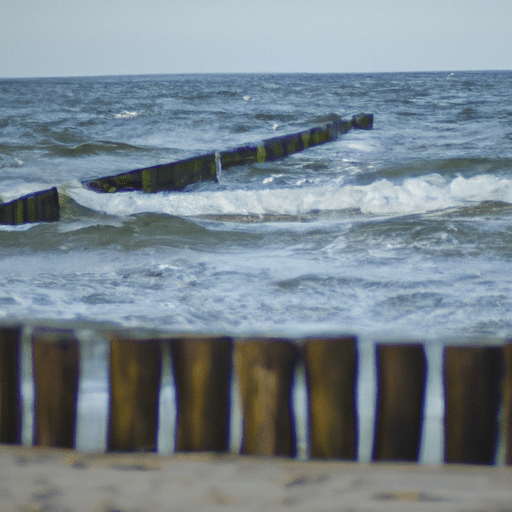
[43, 206]
[177, 175]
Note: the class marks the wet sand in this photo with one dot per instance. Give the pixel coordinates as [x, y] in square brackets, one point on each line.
[33, 479]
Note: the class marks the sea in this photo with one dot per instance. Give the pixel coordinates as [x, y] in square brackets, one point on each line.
[402, 233]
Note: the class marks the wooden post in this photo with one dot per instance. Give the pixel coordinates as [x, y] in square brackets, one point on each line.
[507, 402]
[42, 206]
[202, 372]
[401, 379]
[171, 176]
[265, 370]
[56, 368]
[472, 389]
[135, 370]
[10, 395]
[331, 376]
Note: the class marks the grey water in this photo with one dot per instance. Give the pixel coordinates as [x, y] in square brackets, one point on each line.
[400, 233]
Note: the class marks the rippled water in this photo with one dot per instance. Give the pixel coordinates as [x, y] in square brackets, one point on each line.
[403, 231]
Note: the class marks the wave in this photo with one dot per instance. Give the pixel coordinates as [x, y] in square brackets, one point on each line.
[91, 148]
[447, 168]
[127, 114]
[382, 197]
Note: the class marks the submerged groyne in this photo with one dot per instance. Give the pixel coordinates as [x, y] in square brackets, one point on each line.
[43, 206]
[177, 175]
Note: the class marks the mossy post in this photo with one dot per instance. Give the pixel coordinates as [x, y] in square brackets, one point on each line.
[265, 371]
[401, 380]
[10, 394]
[135, 371]
[280, 147]
[472, 380]
[331, 379]
[202, 371]
[40, 206]
[56, 370]
[177, 175]
[172, 176]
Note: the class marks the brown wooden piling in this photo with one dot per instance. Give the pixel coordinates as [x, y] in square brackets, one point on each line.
[202, 372]
[362, 121]
[331, 379]
[10, 394]
[171, 176]
[472, 379]
[42, 206]
[135, 371]
[242, 155]
[265, 371]
[507, 401]
[56, 369]
[401, 380]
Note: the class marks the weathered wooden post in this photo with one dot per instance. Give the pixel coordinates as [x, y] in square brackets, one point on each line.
[42, 206]
[10, 395]
[265, 370]
[401, 380]
[507, 401]
[331, 379]
[56, 369]
[472, 379]
[135, 370]
[202, 372]
[171, 176]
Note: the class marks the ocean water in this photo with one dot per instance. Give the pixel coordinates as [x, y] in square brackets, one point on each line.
[399, 233]
[403, 231]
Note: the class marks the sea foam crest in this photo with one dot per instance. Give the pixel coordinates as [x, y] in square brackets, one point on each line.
[127, 113]
[382, 197]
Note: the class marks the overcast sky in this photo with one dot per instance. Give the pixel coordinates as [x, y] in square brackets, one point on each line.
[112, 37]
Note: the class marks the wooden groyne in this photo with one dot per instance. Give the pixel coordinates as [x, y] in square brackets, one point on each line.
[477, 394]
[172, 176]
[41, 206]
[177, 175]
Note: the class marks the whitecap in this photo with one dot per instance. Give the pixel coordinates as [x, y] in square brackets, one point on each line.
[382, 197]
[126, 113]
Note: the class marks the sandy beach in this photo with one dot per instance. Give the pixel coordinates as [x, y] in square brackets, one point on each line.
[34, 479]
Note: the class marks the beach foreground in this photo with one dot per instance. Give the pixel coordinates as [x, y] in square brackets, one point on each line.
[33, 479]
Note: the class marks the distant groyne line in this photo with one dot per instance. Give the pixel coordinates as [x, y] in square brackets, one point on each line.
[477, 383]
[177, 175]
[43, 206]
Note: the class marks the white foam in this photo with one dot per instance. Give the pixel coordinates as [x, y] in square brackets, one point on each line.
[126, 114]
[382, 197]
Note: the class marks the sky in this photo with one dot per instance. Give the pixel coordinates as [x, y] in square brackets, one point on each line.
[125, 37]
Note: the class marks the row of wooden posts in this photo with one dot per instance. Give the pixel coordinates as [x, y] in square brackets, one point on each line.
[43, 206]
[477, 385]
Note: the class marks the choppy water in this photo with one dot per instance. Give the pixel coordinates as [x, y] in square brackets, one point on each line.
[401, 232]
[404, 231]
